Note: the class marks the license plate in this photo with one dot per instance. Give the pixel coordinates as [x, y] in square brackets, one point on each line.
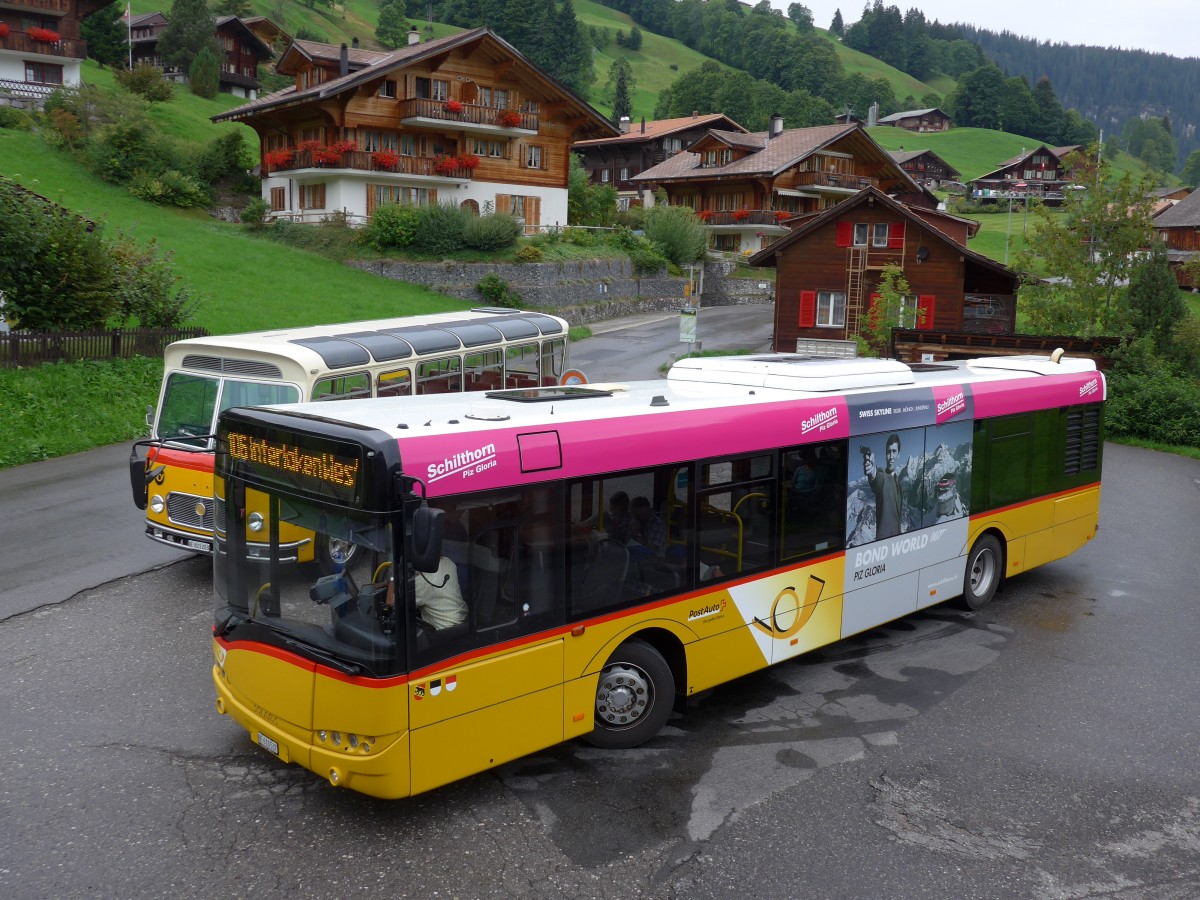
[202, 546]
[267, 744]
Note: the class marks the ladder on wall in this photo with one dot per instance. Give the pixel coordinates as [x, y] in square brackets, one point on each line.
[856, 264]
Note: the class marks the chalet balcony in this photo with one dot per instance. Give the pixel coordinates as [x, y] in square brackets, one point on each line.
[363, 161]
[745, 218]
[21, 42]
[45, 7]
[244, 81]
[468, 117]
[835, 181]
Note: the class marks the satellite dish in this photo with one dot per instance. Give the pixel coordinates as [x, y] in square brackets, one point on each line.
[922, 254]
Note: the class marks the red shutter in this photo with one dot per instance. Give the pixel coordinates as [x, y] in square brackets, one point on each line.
[896, 236]
[925, 304]
[845, 234]
[808, 309]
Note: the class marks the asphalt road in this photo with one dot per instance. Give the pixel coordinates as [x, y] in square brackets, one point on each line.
[1044, 747]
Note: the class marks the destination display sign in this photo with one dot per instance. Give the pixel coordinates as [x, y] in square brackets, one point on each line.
[320, 467]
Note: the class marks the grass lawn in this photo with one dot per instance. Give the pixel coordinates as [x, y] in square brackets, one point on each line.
[997, 229]
[247, 282]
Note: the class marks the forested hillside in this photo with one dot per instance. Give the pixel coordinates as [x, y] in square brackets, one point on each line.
[1106, 84]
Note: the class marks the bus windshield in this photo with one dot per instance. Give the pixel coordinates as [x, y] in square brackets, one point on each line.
[186, 414]
[347, 617]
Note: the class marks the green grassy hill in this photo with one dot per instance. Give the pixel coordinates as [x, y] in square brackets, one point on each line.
[902, 83]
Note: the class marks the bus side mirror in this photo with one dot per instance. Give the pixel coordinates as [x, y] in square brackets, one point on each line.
[137, 478]
[425, 539]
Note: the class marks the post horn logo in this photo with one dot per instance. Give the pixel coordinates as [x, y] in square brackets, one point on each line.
[785, 622]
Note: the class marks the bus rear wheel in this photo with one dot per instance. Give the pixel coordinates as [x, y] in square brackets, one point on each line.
[333, 555]
[633, 697]
[984, 564]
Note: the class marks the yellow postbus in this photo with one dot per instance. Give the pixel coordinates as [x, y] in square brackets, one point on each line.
[568, 562]
[483, 349]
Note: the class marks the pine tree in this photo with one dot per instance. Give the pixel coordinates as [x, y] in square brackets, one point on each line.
[622, 105]
[574, 50]
[107, 36]
[837, 26]
[204, 74]
[191, 26]
[392, 30]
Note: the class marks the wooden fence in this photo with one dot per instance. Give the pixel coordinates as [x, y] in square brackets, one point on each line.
[29, 348]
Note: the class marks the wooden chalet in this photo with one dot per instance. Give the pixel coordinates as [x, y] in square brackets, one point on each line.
[925, 167]
[465, 119]
[242, 49]
[268, 32]
[1178, 227]
[920, 120]
[40, 46]
[1040, 174]
[829, 266]
[747, 186]
[616, 160]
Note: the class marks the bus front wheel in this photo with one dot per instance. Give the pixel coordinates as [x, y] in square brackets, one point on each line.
[334, 555]
[984, 564]
[633, 697]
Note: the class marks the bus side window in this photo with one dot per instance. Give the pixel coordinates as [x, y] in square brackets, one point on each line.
[397, 383]
[343, 387]
[736, 514]
[815, 488]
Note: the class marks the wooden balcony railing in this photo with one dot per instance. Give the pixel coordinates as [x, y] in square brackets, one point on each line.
[365, 161]
[745, 217]
[836, 180]
[470, 114]
[29, 89]
[49, 7]
[21, 42]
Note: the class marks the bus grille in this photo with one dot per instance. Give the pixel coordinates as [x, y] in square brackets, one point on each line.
[246, 367]
[181, 510]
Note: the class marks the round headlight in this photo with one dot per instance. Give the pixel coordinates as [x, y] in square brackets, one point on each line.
[157, 503]
[255, 522]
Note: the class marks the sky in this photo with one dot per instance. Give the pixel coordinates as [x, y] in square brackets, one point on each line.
[1160, 26]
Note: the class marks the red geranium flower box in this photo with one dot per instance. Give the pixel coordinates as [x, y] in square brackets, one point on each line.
[510, 118]
[386, 159]
[44, 35]
[454, 106]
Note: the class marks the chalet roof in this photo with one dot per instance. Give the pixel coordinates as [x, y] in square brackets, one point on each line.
[766, 256]
[932, 216]
[1168, 191]
[1057, 152]
[909, 114]
[659, 128]
[233, 23]
[148, 19]
[772, 156]
[1184, 214]
[903, 156]
[367, 65]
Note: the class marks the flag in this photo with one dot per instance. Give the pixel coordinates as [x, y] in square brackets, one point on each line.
[126, 17]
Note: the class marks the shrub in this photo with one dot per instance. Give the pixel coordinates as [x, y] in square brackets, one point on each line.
[528, 254]
[171, 188]
[1147, 400]
[16, 119]
[440, 228]
[494, 232]
[146, 81]
[255, 212]
[579, 237]
[148, 288]
[678, 233]
[392, 227]
[647, 260]
[496, 291]
[223, 156]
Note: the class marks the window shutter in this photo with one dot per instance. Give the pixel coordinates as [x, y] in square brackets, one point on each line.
[808, 309]
[925, 303]
[370, 200]
[845, 234]
[503, 203]
[533, 211]
[895, 235]
[433, 197]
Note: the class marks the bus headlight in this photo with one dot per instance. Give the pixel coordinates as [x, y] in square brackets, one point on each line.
[157, 503]
[255, 522]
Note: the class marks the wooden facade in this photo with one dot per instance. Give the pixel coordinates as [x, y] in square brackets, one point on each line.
[41, 47]
[925, 167]
[1178, 227]
[242, 49]
[829, 268]
[617, 160]
[919, 120]
[1040, 173]
[747, 186]
[464, 119]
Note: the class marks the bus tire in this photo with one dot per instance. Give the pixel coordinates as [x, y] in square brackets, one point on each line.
[332, 555]
[633, 697]
[985, 563]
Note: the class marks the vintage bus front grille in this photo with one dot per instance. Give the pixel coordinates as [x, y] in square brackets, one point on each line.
[182, 510]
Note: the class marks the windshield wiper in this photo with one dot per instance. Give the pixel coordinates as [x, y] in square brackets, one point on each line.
[227, 625]
[325, 656]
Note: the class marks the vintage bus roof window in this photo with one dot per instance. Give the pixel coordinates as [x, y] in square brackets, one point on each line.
[516, 327]
[548, 394]
[428, 340]
[246, 367]
[382, 347]
[475, 334]
[545, 324]
[336, 352]
[793, 373]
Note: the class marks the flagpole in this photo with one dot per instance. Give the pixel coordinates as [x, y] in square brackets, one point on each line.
[129, 33]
